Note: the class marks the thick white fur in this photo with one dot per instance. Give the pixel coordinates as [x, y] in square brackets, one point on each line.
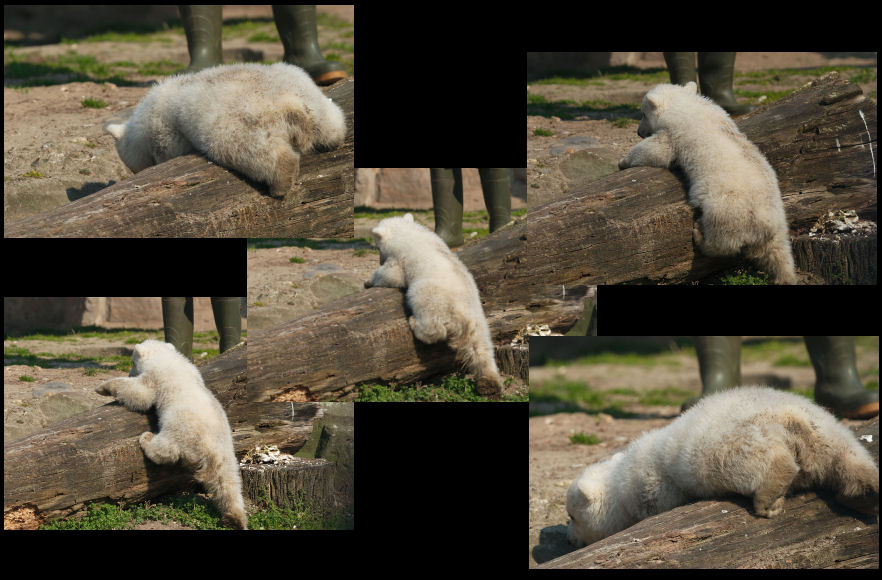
[441, 294]
[253, 118]
[193, 427]
[752, 441]
[729, 178]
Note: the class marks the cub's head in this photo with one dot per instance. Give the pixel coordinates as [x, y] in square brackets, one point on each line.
[150, 351]
[132, 143]
[658, 101]
[387, 227]
[400, 229]
[403, 236]
[591, 506]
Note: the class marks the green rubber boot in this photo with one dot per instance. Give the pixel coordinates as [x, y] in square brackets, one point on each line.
[837, 385]
[202, 25]
[447, 204]
[719, 363]
[228, 321]
[716, 71]
[497, 195]
[681, 67]
[296, 26]
[177, 320]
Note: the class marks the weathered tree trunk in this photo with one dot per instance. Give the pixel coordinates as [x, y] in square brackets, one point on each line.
[190, 196]
[96, 455]
[287, 483]
[365, 337]
[286, 425]
[811, 533]
[847, 258]
[634, 226]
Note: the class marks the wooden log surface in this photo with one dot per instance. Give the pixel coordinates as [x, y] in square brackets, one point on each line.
[813, 532]
[189, 196]
[634, 226]
[365, 337]
[95, 455]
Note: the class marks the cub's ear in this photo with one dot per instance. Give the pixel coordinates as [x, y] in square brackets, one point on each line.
[691, 85]
[408, 217]
[116, 129]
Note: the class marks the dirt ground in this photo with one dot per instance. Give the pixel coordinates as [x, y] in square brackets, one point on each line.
[56, 149]
[279, 289]
[571, 154]
[555, 461]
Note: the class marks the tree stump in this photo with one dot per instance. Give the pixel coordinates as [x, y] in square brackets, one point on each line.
[289, 483]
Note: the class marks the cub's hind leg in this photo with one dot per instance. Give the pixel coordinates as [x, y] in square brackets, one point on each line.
[159, 449]
[768, 499]
[287, 168]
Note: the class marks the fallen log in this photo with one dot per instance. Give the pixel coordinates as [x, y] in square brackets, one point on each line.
[365, 337]
[190, 196]
[634, 226]
[813, 532]
[95, 456]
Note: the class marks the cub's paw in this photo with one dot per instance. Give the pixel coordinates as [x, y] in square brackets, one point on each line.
[770, 511]
[488, 387]
[697, 236]
[146, 437]
[105, 389]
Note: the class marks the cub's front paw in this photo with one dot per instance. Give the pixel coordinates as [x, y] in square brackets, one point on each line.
[105, 389]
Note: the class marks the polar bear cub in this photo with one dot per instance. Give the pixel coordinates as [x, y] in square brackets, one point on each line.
[753, 441]
[730, 180]
[441, 294]
[253, 118]
[193, 427]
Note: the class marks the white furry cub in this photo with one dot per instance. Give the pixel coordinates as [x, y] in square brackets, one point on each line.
[752, 441]
[193, 427]
[729, 178]
[253, 118]
[441, 293]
